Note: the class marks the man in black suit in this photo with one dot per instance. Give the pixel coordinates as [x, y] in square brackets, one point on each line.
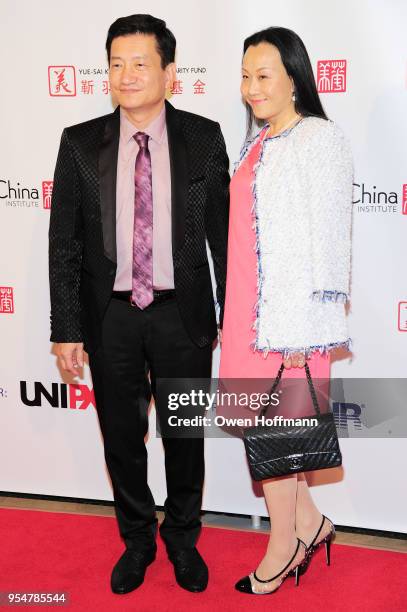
[136, 194]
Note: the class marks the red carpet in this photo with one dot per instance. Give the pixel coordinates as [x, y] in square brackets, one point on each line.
[43, 552]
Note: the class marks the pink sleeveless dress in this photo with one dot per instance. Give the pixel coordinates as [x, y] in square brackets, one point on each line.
[238, 360]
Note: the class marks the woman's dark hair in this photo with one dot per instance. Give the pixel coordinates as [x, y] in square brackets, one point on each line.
[145, 24]
[298, 66]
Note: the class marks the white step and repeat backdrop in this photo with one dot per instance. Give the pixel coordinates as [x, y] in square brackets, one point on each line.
[54, 75]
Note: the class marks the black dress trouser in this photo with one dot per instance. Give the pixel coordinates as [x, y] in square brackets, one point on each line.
[138, 347]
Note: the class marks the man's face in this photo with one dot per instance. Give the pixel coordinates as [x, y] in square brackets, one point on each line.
[137, 79]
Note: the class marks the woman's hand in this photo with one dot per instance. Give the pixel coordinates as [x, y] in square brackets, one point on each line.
[296, 360]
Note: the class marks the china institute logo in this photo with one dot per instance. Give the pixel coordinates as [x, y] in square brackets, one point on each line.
[47, 194]
[331, 76]
[6, 300]
[61, 81]
[368, 199]
[17, 195]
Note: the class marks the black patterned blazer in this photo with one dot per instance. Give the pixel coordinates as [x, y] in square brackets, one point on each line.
[82, 232]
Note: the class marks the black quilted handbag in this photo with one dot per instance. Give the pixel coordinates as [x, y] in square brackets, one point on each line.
[279, 450]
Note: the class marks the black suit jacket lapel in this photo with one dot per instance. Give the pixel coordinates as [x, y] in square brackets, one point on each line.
[179, 175]
[108, 155]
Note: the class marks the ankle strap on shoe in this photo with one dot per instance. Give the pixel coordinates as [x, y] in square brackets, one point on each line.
[319, 530]
[284, 568]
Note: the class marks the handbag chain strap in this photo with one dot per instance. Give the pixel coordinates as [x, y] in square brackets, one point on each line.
[310, 386]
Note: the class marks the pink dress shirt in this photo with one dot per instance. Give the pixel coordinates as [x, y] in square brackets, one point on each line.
[163, 272]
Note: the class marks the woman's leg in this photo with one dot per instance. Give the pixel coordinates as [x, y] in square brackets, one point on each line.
[280, 494]
[307, 516]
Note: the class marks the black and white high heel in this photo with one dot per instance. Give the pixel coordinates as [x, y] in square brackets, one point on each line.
[245, 584]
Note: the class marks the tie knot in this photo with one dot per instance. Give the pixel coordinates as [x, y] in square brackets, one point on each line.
[142, 139]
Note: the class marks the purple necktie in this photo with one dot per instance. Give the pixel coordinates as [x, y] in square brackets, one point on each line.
[142, 278]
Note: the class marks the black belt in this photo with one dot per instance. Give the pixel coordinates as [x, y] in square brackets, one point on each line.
[160, 295]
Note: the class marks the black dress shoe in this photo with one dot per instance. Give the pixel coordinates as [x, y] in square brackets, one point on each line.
[128, 573]
[191, 571]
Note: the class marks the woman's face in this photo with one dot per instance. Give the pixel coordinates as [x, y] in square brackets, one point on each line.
[266, 86]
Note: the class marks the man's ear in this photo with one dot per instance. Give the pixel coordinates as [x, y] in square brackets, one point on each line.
[170, 75]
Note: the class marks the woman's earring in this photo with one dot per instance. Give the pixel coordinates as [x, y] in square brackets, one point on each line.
[293, 96]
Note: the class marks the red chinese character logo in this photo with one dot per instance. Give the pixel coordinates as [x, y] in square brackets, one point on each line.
[404, 200]
[6, 300]
[61, 81]
[199, 87]
[87, 87]
[177, 87]
[402, 318]
[331, 76]
[105, 87]
[47, 193]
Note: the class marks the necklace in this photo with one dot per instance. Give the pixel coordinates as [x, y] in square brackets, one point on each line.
[298, 117]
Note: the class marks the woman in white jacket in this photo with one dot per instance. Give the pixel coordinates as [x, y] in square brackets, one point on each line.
[288, 265]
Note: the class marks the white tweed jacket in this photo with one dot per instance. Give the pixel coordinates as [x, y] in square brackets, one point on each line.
[302, 217]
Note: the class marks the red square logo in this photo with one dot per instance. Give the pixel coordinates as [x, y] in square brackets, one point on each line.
[47, 194]
[61, 81]
[404, 200]
[402, 317]
[6, 300]
[331, 76]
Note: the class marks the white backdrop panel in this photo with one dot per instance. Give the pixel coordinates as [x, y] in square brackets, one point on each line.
[58, 451]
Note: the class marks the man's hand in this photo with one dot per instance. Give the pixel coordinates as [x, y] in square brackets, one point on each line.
[297, 360]
[71, 356]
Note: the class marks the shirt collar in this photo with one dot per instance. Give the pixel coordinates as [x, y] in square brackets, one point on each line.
[155, 129]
